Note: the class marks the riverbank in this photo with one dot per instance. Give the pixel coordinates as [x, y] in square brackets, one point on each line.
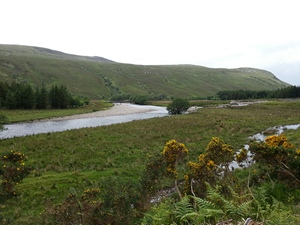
[116, 110]
[119, 113]
[29, 115]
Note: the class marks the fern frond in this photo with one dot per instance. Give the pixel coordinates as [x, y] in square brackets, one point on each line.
[190, 217]
[214, 194]
[207, 209]
[212, 213]
[237, 198]
[228, 206]
[244, 208]
[203, 204]
[233, 193]
[183, 207]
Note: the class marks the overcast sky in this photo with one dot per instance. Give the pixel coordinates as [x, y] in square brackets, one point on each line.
[262, 34]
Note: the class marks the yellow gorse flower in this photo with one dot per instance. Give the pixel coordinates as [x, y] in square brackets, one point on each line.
[278, 140]
[173, 152]
[210, 165]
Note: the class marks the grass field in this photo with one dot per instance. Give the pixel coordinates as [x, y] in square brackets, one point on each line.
[80, 159]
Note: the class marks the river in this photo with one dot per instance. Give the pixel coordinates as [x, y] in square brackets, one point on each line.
[62, 124]
[57, 125]
[277, 130]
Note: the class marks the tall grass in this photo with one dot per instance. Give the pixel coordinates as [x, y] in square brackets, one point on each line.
[82, 158]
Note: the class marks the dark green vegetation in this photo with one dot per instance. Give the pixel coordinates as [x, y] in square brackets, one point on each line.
[23, 96]
[178, 106]
[3, 121]
[78, 160]
[12, 171]
[287, 92]
[98, 78]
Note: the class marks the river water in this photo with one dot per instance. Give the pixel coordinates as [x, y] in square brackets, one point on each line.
[277, 130]
[47, 126]
[39, 127]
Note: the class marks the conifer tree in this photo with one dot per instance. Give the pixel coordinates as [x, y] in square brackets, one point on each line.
[41, 97]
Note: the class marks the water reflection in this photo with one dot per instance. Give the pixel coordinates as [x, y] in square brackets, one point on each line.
[39, 127]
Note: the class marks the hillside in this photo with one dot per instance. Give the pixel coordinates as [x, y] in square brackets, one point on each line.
[97, 77]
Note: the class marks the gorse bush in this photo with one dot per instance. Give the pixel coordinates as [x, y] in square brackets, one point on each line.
[163, 166]
[212, 167]
[213, 194]
[277, 158]
[173, 153]
[12, 170]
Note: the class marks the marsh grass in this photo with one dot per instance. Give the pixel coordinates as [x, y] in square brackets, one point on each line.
[293, 135]
[82, 158]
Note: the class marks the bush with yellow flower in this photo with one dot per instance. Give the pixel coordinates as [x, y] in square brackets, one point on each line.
[12, 171]
[277, 159]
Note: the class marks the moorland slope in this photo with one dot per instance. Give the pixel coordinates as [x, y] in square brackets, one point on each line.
[101, 78]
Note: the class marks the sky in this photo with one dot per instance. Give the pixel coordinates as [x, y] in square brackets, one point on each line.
[261, 34]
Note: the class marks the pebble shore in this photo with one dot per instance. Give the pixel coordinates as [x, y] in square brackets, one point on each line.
[117, 109]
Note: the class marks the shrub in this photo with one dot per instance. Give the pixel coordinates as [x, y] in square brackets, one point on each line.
[217, 197]
[3, 120]
[212, 167]
[13, 170]
[113, 202]
[178, 106]
[277, 158]
[140, 100]
[173, 153]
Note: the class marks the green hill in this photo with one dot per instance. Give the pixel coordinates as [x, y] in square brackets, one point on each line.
[97, 77]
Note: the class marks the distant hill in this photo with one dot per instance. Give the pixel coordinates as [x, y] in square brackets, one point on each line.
[97, 77]
[20, 50]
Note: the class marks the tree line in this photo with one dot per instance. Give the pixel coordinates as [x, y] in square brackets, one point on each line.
[287, 92]
[24, 96]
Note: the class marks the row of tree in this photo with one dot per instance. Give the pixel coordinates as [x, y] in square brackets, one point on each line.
[24, 96]
[287, 92]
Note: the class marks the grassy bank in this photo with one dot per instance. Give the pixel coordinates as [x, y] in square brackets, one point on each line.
[80, 159]
[17, 115]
